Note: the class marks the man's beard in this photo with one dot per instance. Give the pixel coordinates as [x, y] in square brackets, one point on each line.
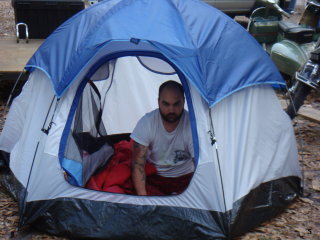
[171, 117]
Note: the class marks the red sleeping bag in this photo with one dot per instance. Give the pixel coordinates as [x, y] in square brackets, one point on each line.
[116, 177]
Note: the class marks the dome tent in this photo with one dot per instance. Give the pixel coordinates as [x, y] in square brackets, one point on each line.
[99, 72]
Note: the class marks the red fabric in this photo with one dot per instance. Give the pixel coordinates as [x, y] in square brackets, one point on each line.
[116, 177]
[158, 185]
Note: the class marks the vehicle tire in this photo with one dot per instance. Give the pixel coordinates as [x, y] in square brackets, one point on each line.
[282, 3]
[298, 97]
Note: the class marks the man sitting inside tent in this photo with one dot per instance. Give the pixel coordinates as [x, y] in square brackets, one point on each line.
[163, 137]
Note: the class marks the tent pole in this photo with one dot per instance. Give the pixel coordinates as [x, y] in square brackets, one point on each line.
[46, 131]
[26, 190]
[214, 142]
[48, 113]
[11, 93]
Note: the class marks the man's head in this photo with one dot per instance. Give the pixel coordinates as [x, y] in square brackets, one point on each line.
[171, 101]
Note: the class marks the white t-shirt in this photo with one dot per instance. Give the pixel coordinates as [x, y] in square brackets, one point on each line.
[170, 152]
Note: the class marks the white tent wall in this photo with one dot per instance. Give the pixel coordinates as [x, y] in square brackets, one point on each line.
[15, 120]
[206, 179]
[255, 141]
[206, 182]
[252, 108]
[24, 123]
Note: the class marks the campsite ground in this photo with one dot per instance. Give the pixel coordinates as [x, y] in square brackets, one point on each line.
[301, 220]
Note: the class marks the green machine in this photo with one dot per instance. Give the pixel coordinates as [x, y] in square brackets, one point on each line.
[289, 44]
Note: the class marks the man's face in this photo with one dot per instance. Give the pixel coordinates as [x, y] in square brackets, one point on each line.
[171, 103]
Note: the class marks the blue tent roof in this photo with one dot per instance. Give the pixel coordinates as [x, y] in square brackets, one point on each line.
[215, 53]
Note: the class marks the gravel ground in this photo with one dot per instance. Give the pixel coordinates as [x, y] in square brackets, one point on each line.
[301, 220]
[7, 24]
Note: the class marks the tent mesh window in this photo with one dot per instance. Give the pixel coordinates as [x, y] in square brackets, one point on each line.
[88, 145]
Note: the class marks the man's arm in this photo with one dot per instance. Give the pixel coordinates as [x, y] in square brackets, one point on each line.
[138, 170]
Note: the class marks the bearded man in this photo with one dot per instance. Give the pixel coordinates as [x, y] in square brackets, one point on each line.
[163, 137]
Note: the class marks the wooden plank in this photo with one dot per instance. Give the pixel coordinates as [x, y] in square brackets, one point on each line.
[14, 56]
[309, 112]
[305, 111]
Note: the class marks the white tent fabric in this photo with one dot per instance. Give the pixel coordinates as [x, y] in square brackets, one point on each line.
[251, 116]
[24, 123]
[244, 143]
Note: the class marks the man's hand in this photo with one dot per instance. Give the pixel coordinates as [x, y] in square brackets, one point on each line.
[138, 168]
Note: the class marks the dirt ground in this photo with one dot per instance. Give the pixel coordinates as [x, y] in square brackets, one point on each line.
[301, 220]
[7, 27]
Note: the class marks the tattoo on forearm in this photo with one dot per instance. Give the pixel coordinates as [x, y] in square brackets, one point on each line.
[139, 159]
[140, 167]
[143, 175]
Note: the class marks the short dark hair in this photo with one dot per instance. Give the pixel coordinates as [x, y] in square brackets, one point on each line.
[171, 85]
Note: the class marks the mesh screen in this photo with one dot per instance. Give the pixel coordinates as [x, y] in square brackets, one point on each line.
[88, 142]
